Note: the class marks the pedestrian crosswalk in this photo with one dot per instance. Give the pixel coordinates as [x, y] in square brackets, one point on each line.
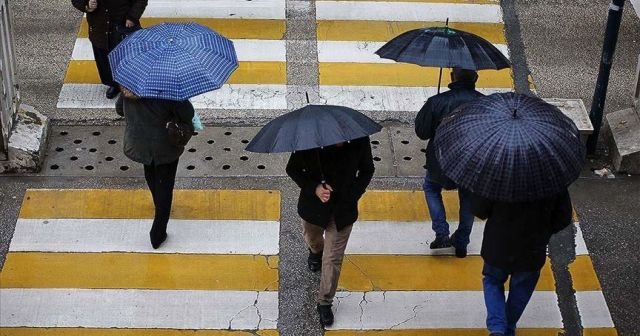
[393, 284]
[256, 27]
[349, 32]
[82, 259]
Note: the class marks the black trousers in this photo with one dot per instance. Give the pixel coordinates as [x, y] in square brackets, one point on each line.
[160, 180]
[102, 63]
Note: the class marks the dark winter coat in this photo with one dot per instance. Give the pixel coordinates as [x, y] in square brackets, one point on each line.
[430, 116]
[516, 235]
[347, 169]
[109, 16]
[146, 139]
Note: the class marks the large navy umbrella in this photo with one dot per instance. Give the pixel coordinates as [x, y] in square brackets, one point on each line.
[510, 147]
[174, 61]
[444, 47]
[313, 126]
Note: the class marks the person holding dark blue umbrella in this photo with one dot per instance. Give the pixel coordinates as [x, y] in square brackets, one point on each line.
[517, 155]
[461, 91]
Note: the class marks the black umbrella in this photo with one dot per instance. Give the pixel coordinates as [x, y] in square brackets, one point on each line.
[312, 126]
[510, 147]
[444, 47]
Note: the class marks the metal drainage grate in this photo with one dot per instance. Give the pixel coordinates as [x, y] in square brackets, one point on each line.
[216, 151]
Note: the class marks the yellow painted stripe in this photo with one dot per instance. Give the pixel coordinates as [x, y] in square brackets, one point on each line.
[128, 332]
[85, 72]
[599, 332]
[140, 271]
[583, 274]
[419, 273]
[401, 74]
[260, 29]
[137, 203]
[440, 332]
[403, 206]
[382, 31]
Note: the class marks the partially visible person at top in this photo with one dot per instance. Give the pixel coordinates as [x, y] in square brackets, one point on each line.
[331, 181]
[107, 19]
[514, 247]
[461, 90]
[147, 141]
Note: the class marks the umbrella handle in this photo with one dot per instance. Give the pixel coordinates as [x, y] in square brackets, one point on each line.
[439, 80]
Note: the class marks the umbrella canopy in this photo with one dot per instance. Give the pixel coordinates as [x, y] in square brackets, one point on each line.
[510, 147]
[312, 126]
[444, 47]
[174, 61]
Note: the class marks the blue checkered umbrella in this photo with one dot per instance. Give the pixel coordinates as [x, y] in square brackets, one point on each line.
[312, 126]
[174, 61]
[510, 147]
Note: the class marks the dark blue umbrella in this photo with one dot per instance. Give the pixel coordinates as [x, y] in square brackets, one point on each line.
[312, 126]
[174, 61]
[444, 47]
[510, 147]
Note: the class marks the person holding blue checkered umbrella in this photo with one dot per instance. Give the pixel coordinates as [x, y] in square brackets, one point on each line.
[158, 69]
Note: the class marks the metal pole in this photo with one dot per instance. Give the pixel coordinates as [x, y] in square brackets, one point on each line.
[608, 49]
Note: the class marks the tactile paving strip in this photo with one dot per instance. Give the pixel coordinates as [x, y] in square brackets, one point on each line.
[215, 151]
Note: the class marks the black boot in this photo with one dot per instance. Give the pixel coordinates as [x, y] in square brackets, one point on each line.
[314, 261]
[326, 315]
[157, 238]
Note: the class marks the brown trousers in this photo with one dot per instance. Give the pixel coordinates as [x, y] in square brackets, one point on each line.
[331, 243]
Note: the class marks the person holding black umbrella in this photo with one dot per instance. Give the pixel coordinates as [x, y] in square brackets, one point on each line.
[331, 180]
[461, 91]
[516, 154]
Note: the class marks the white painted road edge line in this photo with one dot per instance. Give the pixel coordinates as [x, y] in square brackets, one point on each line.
[247, 50]
[385, 98]
[433, 309]
[132, 235]
[361, 51]
[127, 308]
[409, 238]
[593, 309]
[225, 9]
[229, 96]
[581, 245]
[407, 11]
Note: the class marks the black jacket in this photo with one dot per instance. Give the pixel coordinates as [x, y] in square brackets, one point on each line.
[110, 15]
[146, 139]
[347, 169]
[430, 116]
[516, 235]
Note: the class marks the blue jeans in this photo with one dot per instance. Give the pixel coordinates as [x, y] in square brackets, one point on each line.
[439, 224]
[502, 316]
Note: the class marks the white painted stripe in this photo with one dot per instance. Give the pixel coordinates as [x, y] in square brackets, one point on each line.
[409, 238]
[247, 50]
[636, 6]
[407, 11]
[433, 309]
[581, 245]
[594, 312]
[131, 235]
[228, 9]
[361, 52]
[229, 96]
[384, 98]
[105, 308]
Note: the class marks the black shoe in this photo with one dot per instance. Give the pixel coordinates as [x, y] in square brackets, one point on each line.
[461, 252]
[326, 315]
[314, 261]
[112, 92]
[157, 240]
[440, 242]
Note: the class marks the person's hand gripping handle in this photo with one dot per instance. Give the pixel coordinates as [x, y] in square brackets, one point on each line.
[323, 191]
[92, 5]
